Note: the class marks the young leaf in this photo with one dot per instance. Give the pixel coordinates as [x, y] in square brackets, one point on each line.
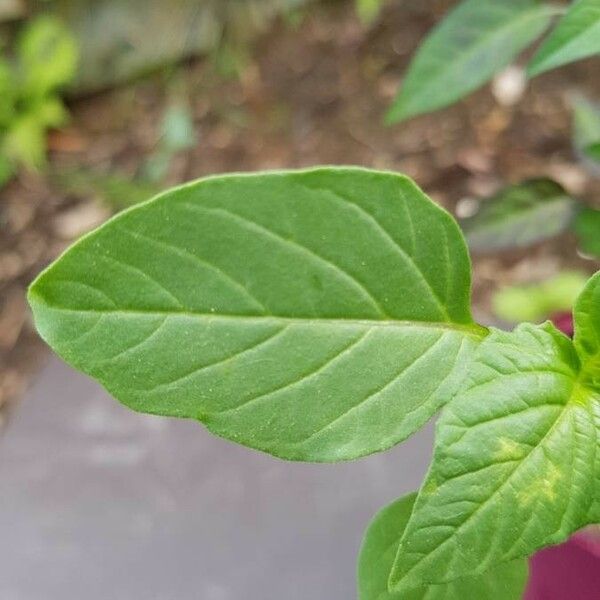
[520, 215]
[25, 141]
[504, 582]
[316, 315]
[476, 40]
[48, 54]
[587, 229]
[576, 36]
[515, 460]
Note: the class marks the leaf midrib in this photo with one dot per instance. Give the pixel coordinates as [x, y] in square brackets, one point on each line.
[407, 259]
[473, 329]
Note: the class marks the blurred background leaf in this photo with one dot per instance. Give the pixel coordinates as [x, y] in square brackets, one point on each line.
[593, 151]
[537, 302]
[177, 133]
[48, 56]
[587, 229]
[472, 43]
[520, 215]
[368, 10]
[7, 93]
[586, 127]
[117, 190]
[45, 60]
[6, 169]
[25, 141]
[576, 36]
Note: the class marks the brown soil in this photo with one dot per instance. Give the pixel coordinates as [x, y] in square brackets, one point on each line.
[313, 94]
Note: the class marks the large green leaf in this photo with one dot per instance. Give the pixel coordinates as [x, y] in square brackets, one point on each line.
[504, 582]
[576, 36]
[520, 215]
[316, 315]
[587, 229]
[475, 41]
[515, 459]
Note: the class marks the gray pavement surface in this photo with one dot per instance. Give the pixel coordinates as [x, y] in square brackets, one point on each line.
[100, 503]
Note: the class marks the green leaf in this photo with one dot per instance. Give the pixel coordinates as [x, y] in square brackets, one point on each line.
[593, 151]
[25, 142]
[520, 215]
[7, 94]
[515, 460]
[115, 189]
[535, 302]
[504, 582]
[587, 342]
[587, 327]
[587, 229]
[577, 36]
[368, 10]
[586, 122]
[48, 55]
[316, 315]
[6, 169]
[50, 112]
[476, 40]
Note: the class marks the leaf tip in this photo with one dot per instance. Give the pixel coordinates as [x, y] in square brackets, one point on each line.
[400, 110]
[535, 67]
[393, 116]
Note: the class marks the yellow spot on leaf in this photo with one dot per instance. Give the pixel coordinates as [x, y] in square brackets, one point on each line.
[542, 488]
[510, 450]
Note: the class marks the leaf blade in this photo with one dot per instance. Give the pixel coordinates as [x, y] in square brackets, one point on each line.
[520, 215]
[586, 124]
[476, 40]
[242, 301]
[593, 151]
[587, 342]
[518, 470]
[576, 36]
[378, 551]
[587, 325]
